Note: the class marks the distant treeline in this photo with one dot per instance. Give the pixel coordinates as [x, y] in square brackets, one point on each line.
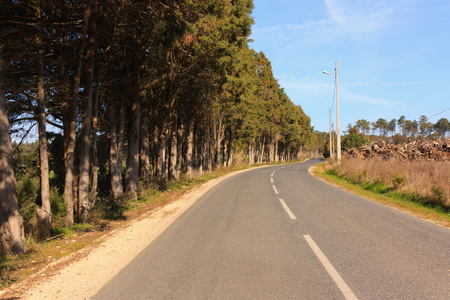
[404, 127]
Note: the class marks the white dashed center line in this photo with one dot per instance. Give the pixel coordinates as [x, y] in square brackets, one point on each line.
[346, 291]
[286, 208]
[275, 189]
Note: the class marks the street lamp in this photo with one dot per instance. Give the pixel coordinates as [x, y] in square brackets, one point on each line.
[338, 129]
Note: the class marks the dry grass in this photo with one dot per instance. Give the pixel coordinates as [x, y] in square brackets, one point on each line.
[428, 181]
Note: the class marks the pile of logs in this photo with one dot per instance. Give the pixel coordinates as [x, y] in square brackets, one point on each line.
[416, 150]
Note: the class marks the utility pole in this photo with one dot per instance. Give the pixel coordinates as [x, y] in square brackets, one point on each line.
[338, 129]
[331, 149]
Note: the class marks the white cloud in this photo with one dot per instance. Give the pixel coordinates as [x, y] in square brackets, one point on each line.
[361, 16]
[387, 83]
[310, 28]
[354, 19]
[309, 90]
[364, 99]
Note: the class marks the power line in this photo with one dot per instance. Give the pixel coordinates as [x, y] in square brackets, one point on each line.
[439, 113]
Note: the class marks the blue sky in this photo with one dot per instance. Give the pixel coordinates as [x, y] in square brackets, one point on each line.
[393, 56]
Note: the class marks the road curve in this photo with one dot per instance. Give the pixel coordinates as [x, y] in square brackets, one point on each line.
[279, 233]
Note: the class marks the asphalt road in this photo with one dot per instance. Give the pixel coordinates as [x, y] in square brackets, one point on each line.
[279, 233]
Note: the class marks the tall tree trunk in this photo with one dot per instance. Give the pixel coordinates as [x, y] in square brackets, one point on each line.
[114, 154]
[95, 167]
[230, 147]
[155, 151]
[251, 155]
[132, 169]
[167, 156]
[76, 203]
[162, 155]
[70, 135]
[86, 125]
[209, 152]
[271, 148]
[69, 154]
[12, 237]
[144, 166]
[225, 152]
[195, 155]
[64, 87]
[277, 158]
[201, 152]
[44, 213]
[179, 149]
[173, 148]
[190, 148]
[262, 150]
[218, 142]
[121, 138]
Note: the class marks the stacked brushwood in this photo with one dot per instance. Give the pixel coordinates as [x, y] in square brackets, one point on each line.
[417, 150]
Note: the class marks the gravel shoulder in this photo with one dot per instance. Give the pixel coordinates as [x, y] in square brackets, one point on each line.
[82, 274]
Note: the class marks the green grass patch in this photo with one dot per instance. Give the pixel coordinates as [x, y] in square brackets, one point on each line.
[70, 231]
[8, 265]
[376, 187]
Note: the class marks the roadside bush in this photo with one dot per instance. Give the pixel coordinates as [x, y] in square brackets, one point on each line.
[438, 193]
[332, 171]
[354, 140]
[27, 187]
[57, 207]
[107, 208]
[398, 180]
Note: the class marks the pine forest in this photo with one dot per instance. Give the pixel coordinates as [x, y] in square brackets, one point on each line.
[126, 94]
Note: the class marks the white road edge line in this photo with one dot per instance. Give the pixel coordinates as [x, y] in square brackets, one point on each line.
[275, 189]
[286, 208]
[271, 180]
[346, 291]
